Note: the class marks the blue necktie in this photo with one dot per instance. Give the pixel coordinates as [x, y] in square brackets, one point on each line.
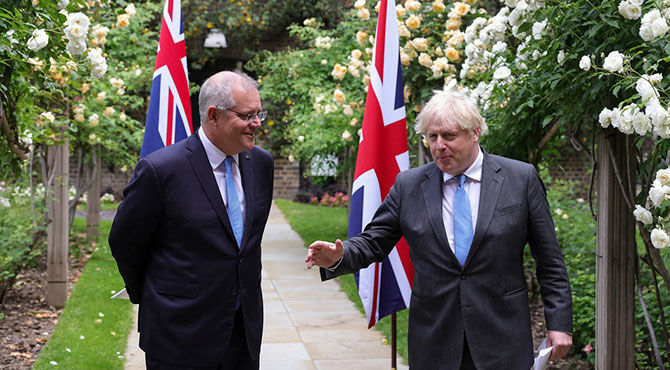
[233, 208]
[462, 222]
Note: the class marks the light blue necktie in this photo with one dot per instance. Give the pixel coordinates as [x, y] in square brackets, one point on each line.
[233, 208]
[462, 222]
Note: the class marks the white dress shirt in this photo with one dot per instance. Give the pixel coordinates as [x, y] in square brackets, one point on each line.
[216, 157]
[472, 185]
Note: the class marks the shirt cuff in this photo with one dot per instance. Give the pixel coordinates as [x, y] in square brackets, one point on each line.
[334, 267]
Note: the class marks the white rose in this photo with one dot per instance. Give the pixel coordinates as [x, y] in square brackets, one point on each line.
[130, 9]
[560, 58]
[630, 10]
[99, 70]
[5, 202]
[501, 73]
[614, 62]
[346, 135]
[499, 47]
[38, 40]
[641, 123]
[646, 33]
[538, 28]
[585, 63]
[76, 46]
[643, 215]
[63, 3]
[657, 193]
[659, 27]
[663, 176]
[605, 118]
[659, 239]
[93, 120]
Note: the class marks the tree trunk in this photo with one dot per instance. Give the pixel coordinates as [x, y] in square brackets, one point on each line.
[615, 264]
[93, 198]
[57, 234]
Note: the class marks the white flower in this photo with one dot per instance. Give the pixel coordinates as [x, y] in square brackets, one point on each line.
[76, 46]
[116, 82]
[93, 120]
[653, 25]
[425, 60]
[338, 96]
[659, 239]
[641, 123]
[108, 111]
[658, 192]
[301, 138]
[538, 28]
[10, 37]
[130, 9]
[62, 4]
[5, 202]
[560, 58]
[585, 63]
[122, 116]
[38, 40]
[630, 10]
[501, 73]
[499, 47]
[663, 176]
[645, 89]
[605, 117]
[614, 62]
[346, 135]
[359, 4]
[99, 70]
[323, 42]
[643, 215]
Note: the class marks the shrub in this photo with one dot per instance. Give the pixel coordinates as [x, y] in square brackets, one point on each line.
[337, 200]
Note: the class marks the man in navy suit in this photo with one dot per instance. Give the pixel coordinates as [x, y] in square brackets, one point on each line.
[187, 237]
[469, 305]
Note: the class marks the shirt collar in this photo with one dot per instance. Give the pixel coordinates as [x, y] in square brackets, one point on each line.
[473, 172]
[214, 154]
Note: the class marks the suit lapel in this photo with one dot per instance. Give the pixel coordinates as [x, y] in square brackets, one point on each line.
[203, 172]
[247, 173]
[432, 197]
[492, 181]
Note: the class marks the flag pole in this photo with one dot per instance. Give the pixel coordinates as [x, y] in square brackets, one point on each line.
[393, 342]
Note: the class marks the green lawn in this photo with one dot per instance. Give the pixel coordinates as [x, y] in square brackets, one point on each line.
[329, 223]
[93, 329]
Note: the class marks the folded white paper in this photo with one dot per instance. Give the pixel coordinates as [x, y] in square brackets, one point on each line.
[121, 294]
[543, 354]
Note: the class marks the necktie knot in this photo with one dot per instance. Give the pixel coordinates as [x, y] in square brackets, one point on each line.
[461, 180]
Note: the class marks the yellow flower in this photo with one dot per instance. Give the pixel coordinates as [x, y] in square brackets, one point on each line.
[425, 60]
[101, 96]
[339, 71]
[84, 88]
[407, 92]
[452, 54]
[414, 21]
[79, 117]
[453, 24]
[271, 123]
[288, 102]
[364, 14]
[405, 59]
[361, 37]
[122, 20]
[420, 44]
[339, 97]
[403, 31]
[356, 54]
[400, 10]
[438, 6]
[108, 111]
[412, 5]
[209, 25]
[461, 8]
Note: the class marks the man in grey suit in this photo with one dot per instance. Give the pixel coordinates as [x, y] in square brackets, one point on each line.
[469, 306]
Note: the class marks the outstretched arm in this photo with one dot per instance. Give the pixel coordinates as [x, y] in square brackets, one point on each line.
[324, 254]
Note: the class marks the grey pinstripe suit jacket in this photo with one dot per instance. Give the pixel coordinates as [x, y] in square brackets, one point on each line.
[486, 300]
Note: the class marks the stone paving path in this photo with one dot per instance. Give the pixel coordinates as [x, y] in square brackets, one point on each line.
[309, 324]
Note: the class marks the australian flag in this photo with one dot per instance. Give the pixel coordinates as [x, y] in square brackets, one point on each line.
[385, 287]
[169, 114]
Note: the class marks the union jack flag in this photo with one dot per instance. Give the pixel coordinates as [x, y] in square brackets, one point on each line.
[384, 287]
[169, 114]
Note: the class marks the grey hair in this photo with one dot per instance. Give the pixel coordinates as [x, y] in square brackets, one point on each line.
[449, 108]
[217, 90]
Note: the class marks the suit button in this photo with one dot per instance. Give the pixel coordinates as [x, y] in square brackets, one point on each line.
[463, 276]
[241, 259]
[234, 291]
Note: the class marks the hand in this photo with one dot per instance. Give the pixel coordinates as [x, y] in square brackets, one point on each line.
[561, 342]
[324, 254]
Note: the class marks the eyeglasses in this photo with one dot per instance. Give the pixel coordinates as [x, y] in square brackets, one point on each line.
[261, 115]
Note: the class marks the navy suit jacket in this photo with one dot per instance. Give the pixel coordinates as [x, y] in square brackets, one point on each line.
[486, 299]
[178, 256]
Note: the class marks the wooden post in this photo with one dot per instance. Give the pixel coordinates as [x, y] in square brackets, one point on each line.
[57, 233]
[615, 263]
[93, 197]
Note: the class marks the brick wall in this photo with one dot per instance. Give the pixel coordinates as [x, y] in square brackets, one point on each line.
[287, 179]
[574, 166]
[112, 182]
